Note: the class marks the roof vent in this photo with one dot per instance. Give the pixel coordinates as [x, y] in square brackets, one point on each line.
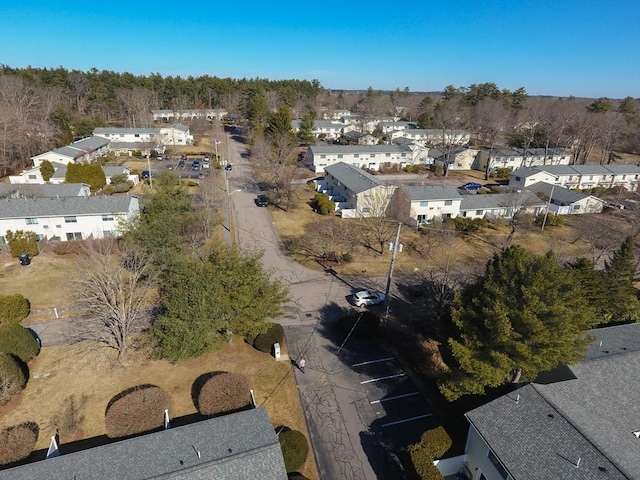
[637, 434]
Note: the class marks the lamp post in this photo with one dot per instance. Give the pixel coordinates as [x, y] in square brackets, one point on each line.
[546, 212]
[395, 247]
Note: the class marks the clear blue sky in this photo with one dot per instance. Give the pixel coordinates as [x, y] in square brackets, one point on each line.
[551, 47]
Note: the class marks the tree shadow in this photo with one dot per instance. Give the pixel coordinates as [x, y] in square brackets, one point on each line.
[198, 383]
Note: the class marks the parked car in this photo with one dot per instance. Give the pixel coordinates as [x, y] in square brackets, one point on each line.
[228, 166]
[196, 166]
[145, 174]
[367, 297]
[262, 201]
[181, 163]
[471, 186]
[201, 175]
[205, 163]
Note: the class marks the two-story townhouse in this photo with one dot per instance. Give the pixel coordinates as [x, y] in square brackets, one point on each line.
[515, 158]
[328, 129]
[33, 175]
[434, 136]
[416, 205]
[563, 201]
[356, 192]
[67, 218]
[577, 422]
[86, 150]
[176, 134]
[373, 157]
[167, 115]
[504, 205]
[579, 176]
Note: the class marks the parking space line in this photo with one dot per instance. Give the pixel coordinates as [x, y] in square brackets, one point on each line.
[395, 398]
[382, 378]
[372, 361]
[407, 420]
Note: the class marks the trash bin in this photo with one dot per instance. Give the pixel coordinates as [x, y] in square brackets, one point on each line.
[25, 259]
[276, 350]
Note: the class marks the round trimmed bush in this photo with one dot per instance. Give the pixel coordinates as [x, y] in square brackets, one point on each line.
[12, 377]
[222, 392]
[295, 449]
[13, 308]
[136, 410]
[16, 340]
[17, 442]
[264, 342]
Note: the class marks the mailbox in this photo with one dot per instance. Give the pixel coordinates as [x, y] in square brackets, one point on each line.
[276, 350]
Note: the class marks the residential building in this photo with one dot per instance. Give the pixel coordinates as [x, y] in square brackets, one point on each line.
[563, 201]
[515, 158]
[356, 192]
[67, 218]
[86, 150]
[580, 177]
[188, 114]
[176, 134]
[31, 190]
[238, 446]
[373, 157]
[434, 136]
[504, 205]
[577, 422]
[416, 205]
[327, 129]
[462, 158]
[33, 175]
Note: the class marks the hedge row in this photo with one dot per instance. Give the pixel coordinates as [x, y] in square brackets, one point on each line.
[432, 445]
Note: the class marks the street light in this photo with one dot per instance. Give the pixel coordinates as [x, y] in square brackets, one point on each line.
[546, 212]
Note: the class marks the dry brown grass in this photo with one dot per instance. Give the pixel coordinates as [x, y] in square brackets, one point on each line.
[59, 372]
[43, 282]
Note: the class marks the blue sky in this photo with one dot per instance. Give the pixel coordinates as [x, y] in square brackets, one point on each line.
[551, 47]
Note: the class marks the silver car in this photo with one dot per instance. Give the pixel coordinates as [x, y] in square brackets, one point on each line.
[367, 297]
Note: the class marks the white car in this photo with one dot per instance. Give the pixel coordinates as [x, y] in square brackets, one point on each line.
[367, 297]
[205, 163]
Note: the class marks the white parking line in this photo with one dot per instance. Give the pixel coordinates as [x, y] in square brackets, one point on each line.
[395, 398]
[372, 361]
[382, 378]
[407, 420]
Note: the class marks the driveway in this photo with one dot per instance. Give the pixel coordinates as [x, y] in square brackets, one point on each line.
[349, 389]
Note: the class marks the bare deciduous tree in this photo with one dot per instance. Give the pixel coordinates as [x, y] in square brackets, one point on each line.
[114, 294]
[373, 211]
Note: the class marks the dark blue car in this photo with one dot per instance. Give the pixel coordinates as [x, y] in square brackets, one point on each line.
[471, 186]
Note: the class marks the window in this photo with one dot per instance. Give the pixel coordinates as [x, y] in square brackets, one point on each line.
[356, 155]
[479, 212]
[31, 221]
[33, 177]
[496, 463]
[403, 155]
[323, 156]
[109, 233]
[137, 135]
[517, 179]
[340, 155]
[448, 202]
[45, 226]
[74, 236]
[107, 218]
[3, 241]
[366, 209]
[424, 203]
[387, 155]
[372, 155]
[70, 220]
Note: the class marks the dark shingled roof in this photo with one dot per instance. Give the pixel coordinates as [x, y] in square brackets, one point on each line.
[40, 189]
[432, 192]
[540, 429]
[353, 178]
[55, 207]
[238, 446]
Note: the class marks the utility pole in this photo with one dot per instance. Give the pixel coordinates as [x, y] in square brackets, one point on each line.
[394, 249]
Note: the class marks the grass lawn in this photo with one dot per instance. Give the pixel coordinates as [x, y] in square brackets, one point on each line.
[82, 370]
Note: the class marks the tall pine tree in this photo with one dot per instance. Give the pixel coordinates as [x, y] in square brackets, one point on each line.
[619, 273]
[525, 315]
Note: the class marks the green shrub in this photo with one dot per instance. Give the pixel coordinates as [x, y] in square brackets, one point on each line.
[17, 340]
[121, 187]
[221, 392]
[436, 168]
[47, 170]
[13, 308]
[136, 410]
[120, 178]
[553, 220]
[464, 224]
[17, 442]
[432, 445]
[264, 341]
[22, 242]
[503, 172]
[12, 377]
[322, 204]
[91, 173]
[412, 169]
[368, 324]
[295, 449]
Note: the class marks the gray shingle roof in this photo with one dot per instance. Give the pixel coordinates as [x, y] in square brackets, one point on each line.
[431, 192]
[561, 196]
[336, 149]
[41, 190]
[594, 417]
[124, 130]
[238, 446]
[353, 178]
[587, 169]
[54, 207]
[500, 200]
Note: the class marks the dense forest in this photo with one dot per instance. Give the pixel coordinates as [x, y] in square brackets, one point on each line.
[43, 108]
